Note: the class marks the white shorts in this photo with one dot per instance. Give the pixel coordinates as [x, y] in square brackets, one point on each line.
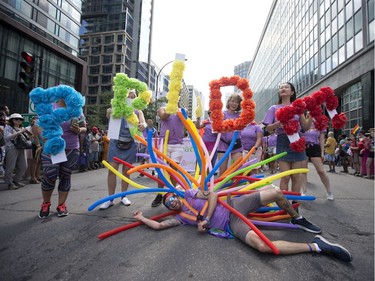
[257, 154]
[175, 152]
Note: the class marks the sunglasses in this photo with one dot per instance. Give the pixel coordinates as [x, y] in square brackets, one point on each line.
[18, 119]
[169, 201]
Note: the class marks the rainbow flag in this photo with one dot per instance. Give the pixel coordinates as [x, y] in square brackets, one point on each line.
[355, 129]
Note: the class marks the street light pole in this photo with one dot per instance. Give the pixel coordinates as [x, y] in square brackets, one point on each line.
[157, 80]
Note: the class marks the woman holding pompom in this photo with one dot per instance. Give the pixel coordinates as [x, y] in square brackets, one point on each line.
[295, 157]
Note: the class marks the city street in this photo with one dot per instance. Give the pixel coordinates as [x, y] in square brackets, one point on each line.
[68, 248]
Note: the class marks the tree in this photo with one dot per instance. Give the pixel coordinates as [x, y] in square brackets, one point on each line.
[96, 114]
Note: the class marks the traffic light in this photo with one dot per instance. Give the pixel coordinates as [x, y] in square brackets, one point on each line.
[28, 72]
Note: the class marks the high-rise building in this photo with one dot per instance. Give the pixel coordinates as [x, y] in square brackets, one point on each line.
[193, 101]
[318, 43]
[115, 38]
[49, 31]
[242, 70]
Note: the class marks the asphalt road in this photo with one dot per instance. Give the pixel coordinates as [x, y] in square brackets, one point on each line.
[68, 248]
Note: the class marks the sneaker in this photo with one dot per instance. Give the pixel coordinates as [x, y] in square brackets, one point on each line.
[61, 210]
[19, 184]
[306, 225]
[12, 186]
[329, 196]
[44, 210]
[140, 176]
[125, 201]
[157, 200]
[106, 205]
[332, 249]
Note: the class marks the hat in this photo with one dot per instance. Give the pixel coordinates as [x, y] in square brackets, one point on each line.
[16, 115]
[94, 129]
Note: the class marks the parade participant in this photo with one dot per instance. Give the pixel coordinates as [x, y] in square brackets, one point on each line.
[293, 160]
[63, 170]
[218, 217]
[315, 152]
[233, 111]
[252, 136]
[125, 149]
[175, 151]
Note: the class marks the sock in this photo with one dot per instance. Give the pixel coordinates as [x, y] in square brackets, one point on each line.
[318, 250]
[299, 217]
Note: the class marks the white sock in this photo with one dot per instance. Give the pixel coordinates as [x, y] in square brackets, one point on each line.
[318, 250]
[299, 217]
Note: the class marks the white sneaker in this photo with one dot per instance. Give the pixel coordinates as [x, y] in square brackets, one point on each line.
[106, 205]
[125, 201]
[330, 196]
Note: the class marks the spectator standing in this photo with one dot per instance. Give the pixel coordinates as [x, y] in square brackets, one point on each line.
[15, 158]
[94, 140]
[355, 154]
[3, 121]
[343, 153]
[330, 147]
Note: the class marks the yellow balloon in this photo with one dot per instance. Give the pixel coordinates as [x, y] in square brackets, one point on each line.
[274, 177]
[121, 176]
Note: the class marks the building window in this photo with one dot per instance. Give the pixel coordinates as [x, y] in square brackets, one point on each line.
[108, 39]
[108, 49]
[107, 59]
[107, 69]
[94, 70]
[351, 103]
[94, 60]
[106, 79]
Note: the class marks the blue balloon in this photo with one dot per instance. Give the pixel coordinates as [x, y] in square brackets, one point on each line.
[125, 193]
[160, 173]
[235, 135]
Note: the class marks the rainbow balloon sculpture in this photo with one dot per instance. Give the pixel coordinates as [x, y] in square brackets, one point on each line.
[234, 182]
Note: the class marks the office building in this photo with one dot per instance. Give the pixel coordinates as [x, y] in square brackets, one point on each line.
[50, 32]
[115, 38]
[318, 43]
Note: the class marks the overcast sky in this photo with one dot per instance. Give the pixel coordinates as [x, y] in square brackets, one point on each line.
[214, 35]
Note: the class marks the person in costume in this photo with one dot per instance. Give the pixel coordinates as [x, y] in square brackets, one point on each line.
[124, 148]
[233, 112]
[175, 151]
[315, 152]
[219, 217]
[293, 160]
[63, 170]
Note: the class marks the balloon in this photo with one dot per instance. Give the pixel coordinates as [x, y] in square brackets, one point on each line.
[274, 224]
[134, 224]
[275, 250]
[125, 193]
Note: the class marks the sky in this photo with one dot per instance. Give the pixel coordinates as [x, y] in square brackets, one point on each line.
[214, 35]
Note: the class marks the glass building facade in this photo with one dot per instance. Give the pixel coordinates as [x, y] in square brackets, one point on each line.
[50, 31]
[318, 43]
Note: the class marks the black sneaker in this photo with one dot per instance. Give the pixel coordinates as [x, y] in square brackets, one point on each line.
[157, 200]
[331, 249]
[306, 225]
[44, 210]
[61, 210]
